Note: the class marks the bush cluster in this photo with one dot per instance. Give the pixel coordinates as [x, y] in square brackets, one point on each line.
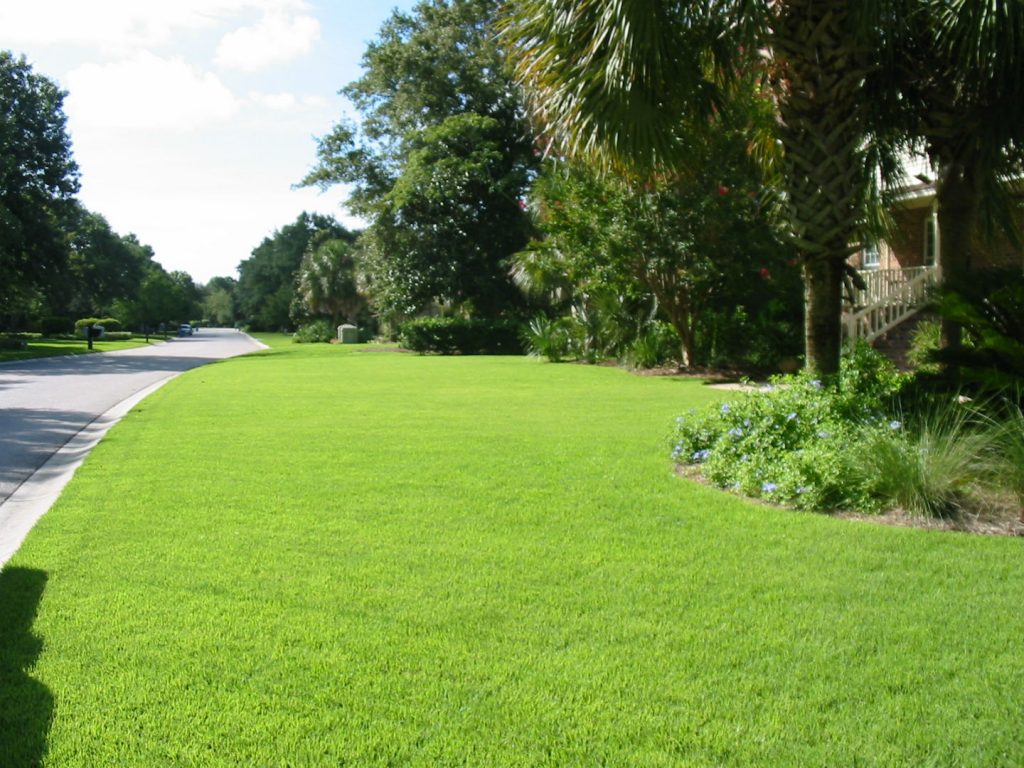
[802, 443]
[316, 332]
[461, 335]
[118, 335]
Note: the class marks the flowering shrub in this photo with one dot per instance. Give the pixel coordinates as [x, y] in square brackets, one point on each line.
[794, 441]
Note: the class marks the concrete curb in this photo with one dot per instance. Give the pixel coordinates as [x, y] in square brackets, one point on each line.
[37, 493]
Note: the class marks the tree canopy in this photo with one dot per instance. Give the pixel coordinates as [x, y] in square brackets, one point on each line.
[439, 162]
[38, 181]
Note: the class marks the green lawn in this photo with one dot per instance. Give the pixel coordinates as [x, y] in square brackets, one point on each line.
[58, 347]
[371, 558]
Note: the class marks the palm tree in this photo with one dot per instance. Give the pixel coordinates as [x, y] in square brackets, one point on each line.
[964, 80]
[327, 282]
[626, 84]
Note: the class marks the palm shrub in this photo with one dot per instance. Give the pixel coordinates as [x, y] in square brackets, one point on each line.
[548, 337]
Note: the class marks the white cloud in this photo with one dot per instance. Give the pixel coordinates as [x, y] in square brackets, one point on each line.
[275, 38]
[121, 26]
[146, 91]
[279, 101]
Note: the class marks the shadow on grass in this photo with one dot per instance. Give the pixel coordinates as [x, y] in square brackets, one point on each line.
[26, 705]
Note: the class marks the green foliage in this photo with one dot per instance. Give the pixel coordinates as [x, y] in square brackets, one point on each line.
[12, 342]
[38, 179]
[548, 337]
[990, 309]
[1010, 450]
[118, 335]
[53, 326]
[674, 250]
[790, 442]
[328, 282]
[318, 331]
[924, 344]
[930, 466]
[655, 345]
[108, 323]
[438, 164]
[461, 335]
[267, 280]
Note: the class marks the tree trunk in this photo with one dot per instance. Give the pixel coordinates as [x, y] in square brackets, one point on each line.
[823, 296]
[821, 65]
[957, 198]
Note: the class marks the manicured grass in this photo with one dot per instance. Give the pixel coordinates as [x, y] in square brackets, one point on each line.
[371, 558]
[59, 347]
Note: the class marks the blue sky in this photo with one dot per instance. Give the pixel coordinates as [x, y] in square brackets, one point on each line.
[192, 119]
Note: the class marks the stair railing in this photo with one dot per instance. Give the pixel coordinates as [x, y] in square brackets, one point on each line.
[889, 297]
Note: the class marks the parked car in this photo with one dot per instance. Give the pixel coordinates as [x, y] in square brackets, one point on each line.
[184, 329]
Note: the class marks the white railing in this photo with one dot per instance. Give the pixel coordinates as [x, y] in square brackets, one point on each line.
[889, 298]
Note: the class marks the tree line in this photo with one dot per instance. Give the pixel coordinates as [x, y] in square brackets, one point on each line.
[702, 170]
[60, 261]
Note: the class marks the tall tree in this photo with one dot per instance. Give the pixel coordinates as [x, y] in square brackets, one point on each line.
[38, 179]
[266, 283]
[328, 283]
[700, 241]
[103, 265]
[962, 81]
[626, 83]
[439, 162]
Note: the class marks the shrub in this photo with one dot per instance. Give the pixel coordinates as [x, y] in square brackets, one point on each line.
[117, 335]
[656, 345]
[991, 311]
[8, 342]
[546, 337]
[108, 323]
[53, 326]
[316, 332]
[924, 343]
[931, 465]
[1011, 453]
[460, 335]
[789, 442]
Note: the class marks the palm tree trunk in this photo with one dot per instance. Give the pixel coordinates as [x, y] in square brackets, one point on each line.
[957, 199]
[819, 78]
[823, 295]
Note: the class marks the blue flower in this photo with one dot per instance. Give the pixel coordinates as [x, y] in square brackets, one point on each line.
[801, 489]
[816, 383]
[725, 408]
[769, 487]
[791, 417]
[824, 435]
[736, 432]
[894, 424]
[744, 457]
[700, 455]
[746, 422]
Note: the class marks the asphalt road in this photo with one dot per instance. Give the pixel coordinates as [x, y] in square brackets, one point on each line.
[63, 405]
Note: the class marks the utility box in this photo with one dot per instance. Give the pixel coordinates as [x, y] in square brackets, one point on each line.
[348, 334]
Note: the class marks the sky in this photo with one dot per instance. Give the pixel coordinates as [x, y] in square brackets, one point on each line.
[192, 120]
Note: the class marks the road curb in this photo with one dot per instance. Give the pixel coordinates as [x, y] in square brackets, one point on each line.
[38, 492]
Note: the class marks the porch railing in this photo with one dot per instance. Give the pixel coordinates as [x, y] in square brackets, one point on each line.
[889, 298]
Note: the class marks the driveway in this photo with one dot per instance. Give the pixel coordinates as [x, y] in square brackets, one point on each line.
[55, 409]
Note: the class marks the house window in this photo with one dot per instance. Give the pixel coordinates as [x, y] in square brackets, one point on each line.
[870, 258]
[931, 240]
